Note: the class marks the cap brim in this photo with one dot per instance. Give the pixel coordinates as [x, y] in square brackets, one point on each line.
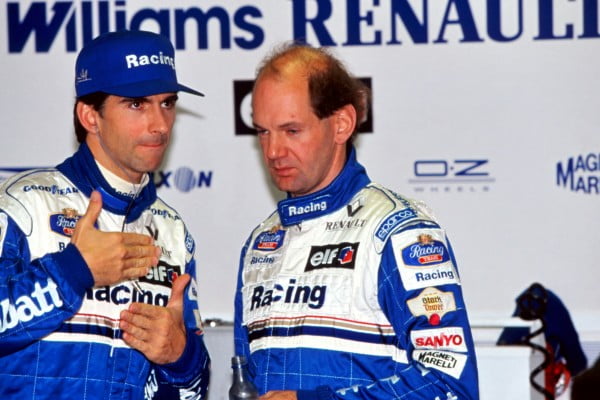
[149, 88]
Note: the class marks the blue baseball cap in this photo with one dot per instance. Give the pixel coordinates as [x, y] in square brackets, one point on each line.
[128, 64]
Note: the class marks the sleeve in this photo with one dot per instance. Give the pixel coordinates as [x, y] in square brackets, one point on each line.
[240, 334]
[189, 376]
[419, 292]
[36, 296]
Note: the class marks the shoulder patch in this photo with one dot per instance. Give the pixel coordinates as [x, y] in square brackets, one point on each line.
[433, 304]
[190, 245]
[423, 259]
[269, 240]
[392, 221]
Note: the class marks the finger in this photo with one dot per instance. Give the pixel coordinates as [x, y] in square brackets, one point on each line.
[141, 251]
[132, 239]
[136, 271]
[138, 320]
[93, 210]
[139, 261]
[135, 342]
[177, 291]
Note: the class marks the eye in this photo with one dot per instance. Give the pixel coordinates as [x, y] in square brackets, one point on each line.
[135, 104]
[170, 102]
[261, 131]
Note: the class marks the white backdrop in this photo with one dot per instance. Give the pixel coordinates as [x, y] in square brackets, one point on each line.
[480, 128]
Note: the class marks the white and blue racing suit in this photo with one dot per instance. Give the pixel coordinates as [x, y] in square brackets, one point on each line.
[59, 335]
[352, 292]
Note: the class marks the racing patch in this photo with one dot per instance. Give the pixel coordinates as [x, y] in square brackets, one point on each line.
[432, 303]
[426, 251]
[447, 362]
[340, 255]
[426, 262]
[269, 240]
[64, 222]
[3, 228]
[450, 338]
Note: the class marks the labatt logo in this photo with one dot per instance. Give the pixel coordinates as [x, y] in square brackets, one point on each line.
[40, 301]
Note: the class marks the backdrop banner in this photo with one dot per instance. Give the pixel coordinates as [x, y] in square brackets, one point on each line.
[486, 110]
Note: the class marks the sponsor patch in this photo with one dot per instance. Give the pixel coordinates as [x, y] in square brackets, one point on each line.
[64, 222]
[291, 292]
[433, 276]
[450, 338]
[341, 255]
[344, 224]
[385, 229]
[269, 240]
[41, 301]
[163, 274]
[426, 251]
[432, 303]
[189, 242]
[449, 363]
[263, 260]
[355, 206]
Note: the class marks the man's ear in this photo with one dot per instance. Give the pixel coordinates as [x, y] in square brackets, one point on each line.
[88, 117]
[344, 123]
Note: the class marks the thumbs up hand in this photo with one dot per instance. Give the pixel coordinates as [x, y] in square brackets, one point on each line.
[112, 257]
[157, 332]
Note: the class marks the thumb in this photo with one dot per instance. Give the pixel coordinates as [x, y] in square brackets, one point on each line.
[179, 285]
[93, 211]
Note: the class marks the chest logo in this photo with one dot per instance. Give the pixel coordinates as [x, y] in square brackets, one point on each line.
[341, 255]
[64, 222]
[269, 240]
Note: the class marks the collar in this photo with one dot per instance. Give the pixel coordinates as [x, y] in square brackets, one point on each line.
[337, 194]
[81, 168]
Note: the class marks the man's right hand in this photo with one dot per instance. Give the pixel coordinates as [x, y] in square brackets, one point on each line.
[112, 257]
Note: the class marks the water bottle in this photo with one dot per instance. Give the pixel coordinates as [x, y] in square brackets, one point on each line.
[242, 387]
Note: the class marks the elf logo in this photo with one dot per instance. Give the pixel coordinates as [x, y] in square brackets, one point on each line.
[341, 255]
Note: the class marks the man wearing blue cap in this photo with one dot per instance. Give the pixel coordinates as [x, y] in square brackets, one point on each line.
[103, 305]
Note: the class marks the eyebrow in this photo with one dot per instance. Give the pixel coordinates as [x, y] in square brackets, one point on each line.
[283, 126]
[145, 99]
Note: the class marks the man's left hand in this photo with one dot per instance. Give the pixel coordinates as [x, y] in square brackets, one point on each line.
[279, 395]
[157, 332]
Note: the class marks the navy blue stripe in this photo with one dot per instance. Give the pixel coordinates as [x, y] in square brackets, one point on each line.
[98, 330]
[323, 331]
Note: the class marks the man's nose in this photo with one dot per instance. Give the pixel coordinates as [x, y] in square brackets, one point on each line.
[275, 146]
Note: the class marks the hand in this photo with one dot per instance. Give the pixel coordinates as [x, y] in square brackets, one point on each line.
[158, 332]
[112, 257]
[279, 395]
